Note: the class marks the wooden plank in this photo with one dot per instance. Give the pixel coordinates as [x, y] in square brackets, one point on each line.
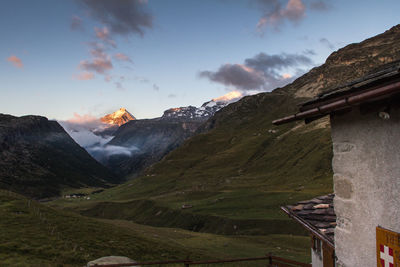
[328, 256]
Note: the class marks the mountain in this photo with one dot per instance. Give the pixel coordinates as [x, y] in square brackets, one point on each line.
[139, 143]
[240, 169]
[204, 112]
[148, 141]
[119, 117]
[39, 159]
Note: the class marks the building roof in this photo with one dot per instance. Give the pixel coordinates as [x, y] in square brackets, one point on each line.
[383, 82]
[316, 215]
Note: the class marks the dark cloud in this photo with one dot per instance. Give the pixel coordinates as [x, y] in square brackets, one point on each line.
[262, 72]
[121, 16]
[156, 87]
[237, 75]
[76, 24]
[327, 43]
[271, 63]
[320, 5]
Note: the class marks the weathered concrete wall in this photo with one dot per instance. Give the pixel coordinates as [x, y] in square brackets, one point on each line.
[366, 167]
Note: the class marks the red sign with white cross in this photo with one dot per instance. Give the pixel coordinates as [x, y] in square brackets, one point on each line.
[387, 248]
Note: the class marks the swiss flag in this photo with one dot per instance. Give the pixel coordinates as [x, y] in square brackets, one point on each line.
[386, 256]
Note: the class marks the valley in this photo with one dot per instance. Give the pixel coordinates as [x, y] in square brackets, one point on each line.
[202, 183]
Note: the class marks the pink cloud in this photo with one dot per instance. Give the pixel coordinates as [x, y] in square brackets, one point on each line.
[82, 119]
[84, 76]
[99, 65]
[104, 34]
[294, 11]
[17, 62]
[123, 57]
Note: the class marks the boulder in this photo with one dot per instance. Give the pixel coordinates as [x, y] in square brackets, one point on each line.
[110, 260]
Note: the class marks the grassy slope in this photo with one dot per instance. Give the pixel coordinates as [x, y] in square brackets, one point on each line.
[236, 176]
[35, 235]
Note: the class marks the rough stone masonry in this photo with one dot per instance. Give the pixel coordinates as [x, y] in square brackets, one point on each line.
[366, 167]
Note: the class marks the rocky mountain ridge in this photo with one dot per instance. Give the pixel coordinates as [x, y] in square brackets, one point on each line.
[207, 110]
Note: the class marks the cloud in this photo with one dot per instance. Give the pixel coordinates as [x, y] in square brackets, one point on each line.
[320, 5]
[278, 12]
[275, 13]
[262, 72]
[17, 62]
[101, 153]
[104, 35]
[237, 75]
[99, 65]
[88, 132]
[171, 95]
[119, 86]
[270, 63]
[76, 24]
[326, 43]
[156, 87]
[84, 76]
[123, 57]
[122, 17]
[231, 96]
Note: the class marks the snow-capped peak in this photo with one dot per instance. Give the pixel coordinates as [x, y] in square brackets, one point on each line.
[119, 117]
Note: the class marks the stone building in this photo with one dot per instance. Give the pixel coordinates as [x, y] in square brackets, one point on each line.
[365, 123]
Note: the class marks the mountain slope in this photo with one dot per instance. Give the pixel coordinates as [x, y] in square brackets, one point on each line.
[152, 139]
[242, 167]
[147, 141]
[39, 159]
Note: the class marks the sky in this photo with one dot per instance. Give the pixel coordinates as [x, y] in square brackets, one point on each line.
[70, 58]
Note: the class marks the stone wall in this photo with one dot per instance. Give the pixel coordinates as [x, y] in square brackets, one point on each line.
[366, 167]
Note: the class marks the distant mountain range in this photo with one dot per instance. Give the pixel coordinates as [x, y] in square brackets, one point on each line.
[144, 142]
[204, 112]
[127, 145]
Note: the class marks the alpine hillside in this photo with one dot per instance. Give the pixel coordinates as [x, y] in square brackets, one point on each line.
[39, 159]
[233, 177]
